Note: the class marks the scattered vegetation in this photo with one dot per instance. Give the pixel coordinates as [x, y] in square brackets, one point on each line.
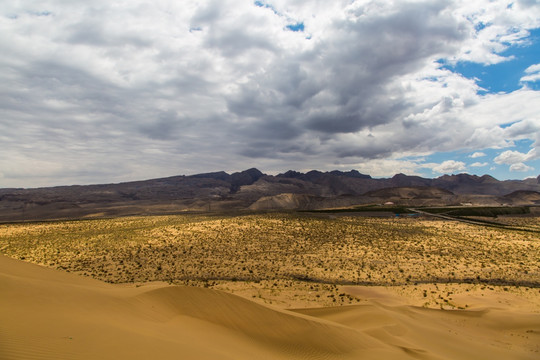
[479, 211]
[288, 247]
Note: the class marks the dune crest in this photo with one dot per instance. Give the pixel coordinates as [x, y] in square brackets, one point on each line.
[48, 314]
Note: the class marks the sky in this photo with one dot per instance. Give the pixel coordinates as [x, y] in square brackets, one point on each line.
[110, 91]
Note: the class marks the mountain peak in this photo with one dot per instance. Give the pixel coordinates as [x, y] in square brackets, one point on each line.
[253, 172]
[488, 179]
[460, 178]
[246, 177]
[291, 174]
[351, 173]
[218, 175]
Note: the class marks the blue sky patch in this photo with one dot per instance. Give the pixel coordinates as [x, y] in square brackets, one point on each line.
[504, 126]
[505, 76]
[266, 6]
[483, 164]
[296, 27]
[480, 26]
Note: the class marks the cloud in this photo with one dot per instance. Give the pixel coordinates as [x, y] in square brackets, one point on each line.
[449, 167]
[517, 160]
[520, 167]
[155, 89]
[533, 74]
[477, 155]
[511, 157]
[479, 164]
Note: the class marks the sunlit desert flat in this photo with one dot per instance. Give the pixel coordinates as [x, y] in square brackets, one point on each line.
[288, 309]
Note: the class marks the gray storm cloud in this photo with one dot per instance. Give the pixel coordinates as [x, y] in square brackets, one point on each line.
[92, 92]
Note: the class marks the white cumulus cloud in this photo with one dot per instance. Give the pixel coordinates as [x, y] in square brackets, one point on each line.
[449, 167]
[511, 157]
[533, 74]
[520, 167]
[477, 155]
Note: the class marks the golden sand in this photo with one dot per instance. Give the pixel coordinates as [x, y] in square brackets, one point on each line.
[49, 314]
[277, 286]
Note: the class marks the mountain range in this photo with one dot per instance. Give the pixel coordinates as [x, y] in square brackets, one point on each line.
[253, 190]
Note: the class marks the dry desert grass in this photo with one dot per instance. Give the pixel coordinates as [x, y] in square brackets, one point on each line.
[284, 259]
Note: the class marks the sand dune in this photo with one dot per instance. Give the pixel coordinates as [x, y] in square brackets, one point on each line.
[493, 329]
[436, 334]
[49, 314]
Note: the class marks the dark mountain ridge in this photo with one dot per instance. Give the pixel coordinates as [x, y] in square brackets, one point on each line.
[220, 191]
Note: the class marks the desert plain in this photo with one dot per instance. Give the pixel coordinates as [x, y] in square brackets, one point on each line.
[282, 285]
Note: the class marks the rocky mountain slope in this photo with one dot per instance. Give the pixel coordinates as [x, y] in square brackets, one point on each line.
[252, 189]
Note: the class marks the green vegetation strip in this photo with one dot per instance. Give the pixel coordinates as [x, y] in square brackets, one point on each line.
[366, 209]
[479, 211]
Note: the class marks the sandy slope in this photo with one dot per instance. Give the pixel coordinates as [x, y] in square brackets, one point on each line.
[48, 314]
[502, 326]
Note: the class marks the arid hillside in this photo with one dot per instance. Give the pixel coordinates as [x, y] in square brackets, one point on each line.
[253, 190]
[324, 250]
